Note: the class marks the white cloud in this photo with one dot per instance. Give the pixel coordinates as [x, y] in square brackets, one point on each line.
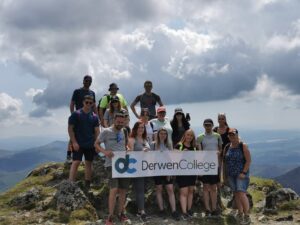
[10, 108]
[31, 92]
[270, 92]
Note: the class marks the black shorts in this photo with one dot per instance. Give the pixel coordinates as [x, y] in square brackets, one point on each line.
[87, 152]
[163, 180]
[210, 179]
[186, 181]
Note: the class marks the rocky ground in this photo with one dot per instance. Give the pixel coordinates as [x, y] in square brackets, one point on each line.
[46, 197]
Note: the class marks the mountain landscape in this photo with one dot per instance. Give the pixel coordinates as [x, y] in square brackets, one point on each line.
[274, 154]
[291, 179]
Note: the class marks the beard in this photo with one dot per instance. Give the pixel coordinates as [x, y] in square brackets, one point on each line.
[118, 127]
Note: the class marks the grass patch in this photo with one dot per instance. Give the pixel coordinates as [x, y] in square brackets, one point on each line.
[291, 205]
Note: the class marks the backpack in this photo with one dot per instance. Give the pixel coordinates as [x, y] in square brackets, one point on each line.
[108, 100]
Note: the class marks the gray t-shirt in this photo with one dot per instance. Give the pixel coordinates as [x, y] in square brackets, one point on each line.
[209, 142]
[110, 118]
[113, 140]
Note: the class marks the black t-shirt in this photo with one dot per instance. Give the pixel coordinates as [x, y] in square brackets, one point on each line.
[148, 101]
[78, 96]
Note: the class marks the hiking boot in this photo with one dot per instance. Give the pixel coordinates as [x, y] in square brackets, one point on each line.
[240, 217]
[190, 213]
[207, 213]
[246, 220]
[109, 221]
[123, 217]
[233, 213]
[185, 216]
[162, 214]
[69, 159]
[215, 213]
[143, 217]
[175, 216]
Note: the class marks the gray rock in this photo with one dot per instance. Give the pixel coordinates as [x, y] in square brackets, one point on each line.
[279, 196]
[28, 199]
[69, 197]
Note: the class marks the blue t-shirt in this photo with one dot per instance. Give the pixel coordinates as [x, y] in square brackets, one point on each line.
[78, 97]
[84, 127]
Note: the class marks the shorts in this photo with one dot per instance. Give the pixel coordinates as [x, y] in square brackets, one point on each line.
[186, 181]
[121, 183]
[162, 180]
[87, 152]
[211, 179]
[238, 185]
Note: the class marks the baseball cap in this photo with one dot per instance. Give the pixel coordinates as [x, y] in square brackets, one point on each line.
[161, 109]
[208, 121]
[113, 85]
[178, 110]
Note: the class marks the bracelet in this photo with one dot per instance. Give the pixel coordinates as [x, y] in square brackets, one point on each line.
[244, 173]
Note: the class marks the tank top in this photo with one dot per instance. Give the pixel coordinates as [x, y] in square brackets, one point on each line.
[234, 160]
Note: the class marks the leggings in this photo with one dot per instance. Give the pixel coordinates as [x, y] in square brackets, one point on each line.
[139, 187]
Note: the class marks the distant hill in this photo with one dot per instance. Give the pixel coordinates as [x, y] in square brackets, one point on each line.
[30, 158]
[14, 166]
[291, 179]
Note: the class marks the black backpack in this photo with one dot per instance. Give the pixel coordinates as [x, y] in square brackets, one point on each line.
[108, 100]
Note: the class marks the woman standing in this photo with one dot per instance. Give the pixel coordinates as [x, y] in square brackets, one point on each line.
[186, 183]
[179, 125]
[138, 142]
[114, 107]
[222, 129]
[162, 144]
[237, 163]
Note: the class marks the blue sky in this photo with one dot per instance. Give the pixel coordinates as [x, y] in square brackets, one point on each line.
[237, 57]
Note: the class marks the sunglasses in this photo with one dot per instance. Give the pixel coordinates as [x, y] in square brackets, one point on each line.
[88, 81]
[208, 125]
[231, 134]
[88, 102]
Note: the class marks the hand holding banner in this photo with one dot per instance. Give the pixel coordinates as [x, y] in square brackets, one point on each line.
[166, 163]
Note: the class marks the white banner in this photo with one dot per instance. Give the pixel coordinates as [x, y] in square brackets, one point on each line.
[165, 163]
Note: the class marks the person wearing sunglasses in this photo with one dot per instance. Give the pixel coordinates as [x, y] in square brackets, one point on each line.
[77, 103]
[237, 160]
[148, 100]
[106, 99]
[83, 128]
[114, 139]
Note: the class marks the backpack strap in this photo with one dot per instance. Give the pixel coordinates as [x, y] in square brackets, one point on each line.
[200, 139]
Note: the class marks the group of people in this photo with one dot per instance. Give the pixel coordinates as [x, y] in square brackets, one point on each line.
[104, 128]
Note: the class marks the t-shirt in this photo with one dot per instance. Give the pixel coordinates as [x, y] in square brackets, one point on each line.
[209, 142]
[148, 101]
[84, 127]
[109, 117]
[166, 124]
[78, 97]
[105, 103]
[113, 140]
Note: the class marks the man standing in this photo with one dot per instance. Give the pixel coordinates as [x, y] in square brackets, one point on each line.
[114, 139]
[104, 102]
[83, 129]
[147, 100]
[210, 141]
[78, 95]
[77, 103]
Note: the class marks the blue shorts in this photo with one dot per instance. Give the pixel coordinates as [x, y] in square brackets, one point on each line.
[238, 185]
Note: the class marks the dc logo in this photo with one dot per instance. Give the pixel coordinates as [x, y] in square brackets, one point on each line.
[122, 165]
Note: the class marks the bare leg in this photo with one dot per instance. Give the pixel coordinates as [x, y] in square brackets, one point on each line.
[172, 201]
[183, 198]
[213, 196]
[112, 200]
[190, 197]
[73, 170]
[159, 198]
[206, 196]
[122, 199]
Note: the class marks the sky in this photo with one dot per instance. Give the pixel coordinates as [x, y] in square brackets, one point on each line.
[206, 56]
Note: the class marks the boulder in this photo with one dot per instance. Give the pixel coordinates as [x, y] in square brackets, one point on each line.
[69, 196]
[27, 200]
[279, 196]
